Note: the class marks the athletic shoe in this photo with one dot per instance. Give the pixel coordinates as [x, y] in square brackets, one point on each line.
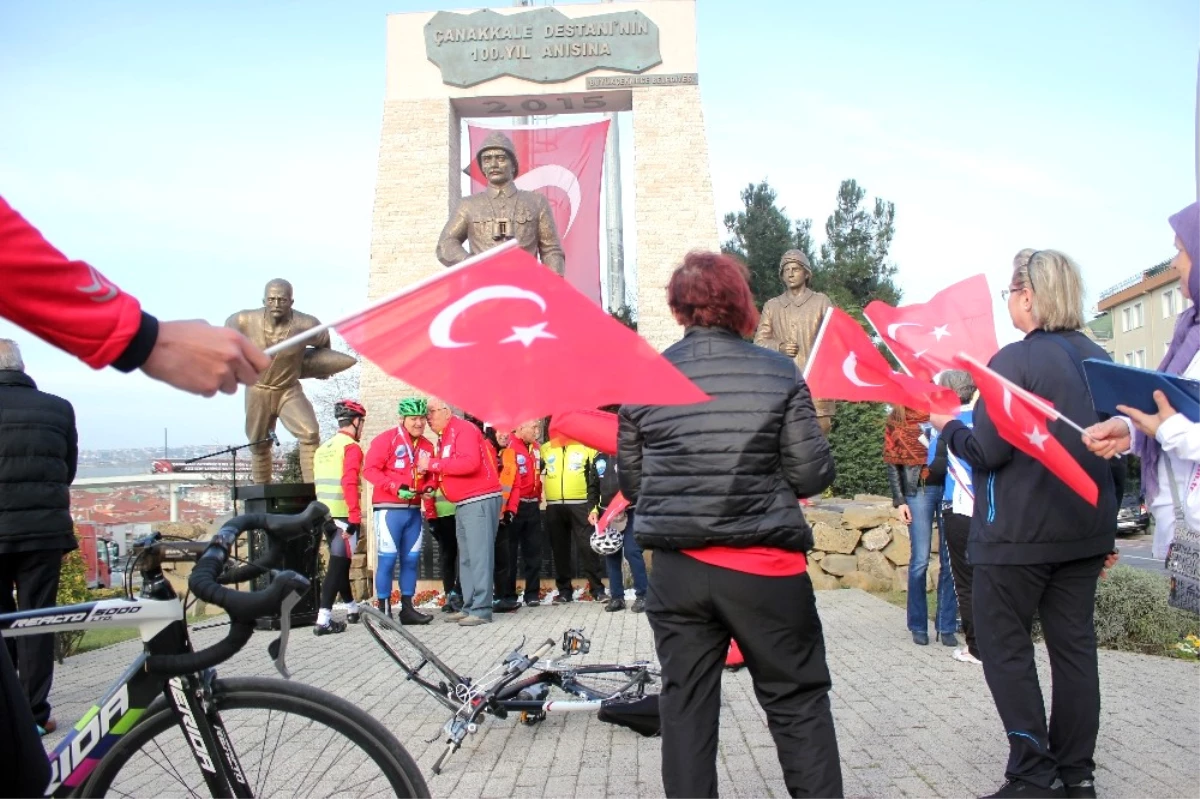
[1020, 788]
[352, 618]
[330, 629]
[1082, 790]
[457, 615]
[639, 605]
[532, 602]
[560, 599]
[614, 605]
[964, 656]
[506, 606]
[473, 621]
[948, 639]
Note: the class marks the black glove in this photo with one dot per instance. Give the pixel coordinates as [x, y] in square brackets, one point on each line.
[506, 518]
[352, 528]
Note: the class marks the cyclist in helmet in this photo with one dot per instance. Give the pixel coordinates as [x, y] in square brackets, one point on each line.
[337, 465]
[397, 464]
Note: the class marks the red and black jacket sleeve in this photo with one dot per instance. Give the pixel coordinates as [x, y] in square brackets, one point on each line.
[68, 303]
[352, 463]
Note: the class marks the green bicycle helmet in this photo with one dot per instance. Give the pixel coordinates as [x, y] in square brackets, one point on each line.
[412, 406]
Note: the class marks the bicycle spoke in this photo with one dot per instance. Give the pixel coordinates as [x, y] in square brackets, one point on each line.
[174, 771]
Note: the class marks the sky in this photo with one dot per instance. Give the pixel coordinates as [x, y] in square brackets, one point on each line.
[192, 151]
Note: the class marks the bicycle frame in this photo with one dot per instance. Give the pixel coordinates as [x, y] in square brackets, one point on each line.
[163, 629]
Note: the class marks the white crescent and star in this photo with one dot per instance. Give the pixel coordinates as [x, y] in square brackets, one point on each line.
[1036, 436]
[939, 332]
[559, 177]
[892, 328]
[439, 328]
[850, 370]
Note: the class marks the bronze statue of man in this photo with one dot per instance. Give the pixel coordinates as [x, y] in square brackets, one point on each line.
[277, 396]
[501, 212]
[790, 322]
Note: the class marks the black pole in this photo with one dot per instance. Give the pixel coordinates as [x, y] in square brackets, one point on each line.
[232, 451]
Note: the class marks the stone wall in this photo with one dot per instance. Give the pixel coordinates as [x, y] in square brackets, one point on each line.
[861, 544]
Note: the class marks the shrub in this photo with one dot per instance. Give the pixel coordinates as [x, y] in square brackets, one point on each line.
[72, 589]
[1132, 613]
[857, 443]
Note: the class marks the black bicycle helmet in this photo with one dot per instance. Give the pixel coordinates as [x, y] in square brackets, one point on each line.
[347, 410]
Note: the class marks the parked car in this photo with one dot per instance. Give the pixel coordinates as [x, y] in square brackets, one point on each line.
[1133, 516]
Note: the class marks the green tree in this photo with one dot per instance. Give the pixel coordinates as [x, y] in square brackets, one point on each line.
[626, 316]
[72, 589]
[853, 268]
[291, 467]
[857, 443]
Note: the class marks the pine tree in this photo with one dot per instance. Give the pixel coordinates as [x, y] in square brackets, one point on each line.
[759, 235]
[854, 267]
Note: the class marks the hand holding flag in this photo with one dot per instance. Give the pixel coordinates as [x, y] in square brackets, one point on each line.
[1022, 419]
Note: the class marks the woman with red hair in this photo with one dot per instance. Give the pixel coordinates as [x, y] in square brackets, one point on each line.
[716, 486]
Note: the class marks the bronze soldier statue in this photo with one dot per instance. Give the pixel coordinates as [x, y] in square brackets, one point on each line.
[501, 212]
[277, 395]
[790, 322]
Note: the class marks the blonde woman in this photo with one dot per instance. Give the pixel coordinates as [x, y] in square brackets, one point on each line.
[1035, 545]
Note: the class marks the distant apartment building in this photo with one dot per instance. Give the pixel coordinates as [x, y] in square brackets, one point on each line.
[1142, 312]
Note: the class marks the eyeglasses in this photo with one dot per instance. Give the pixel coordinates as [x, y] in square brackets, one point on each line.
[1008, 292]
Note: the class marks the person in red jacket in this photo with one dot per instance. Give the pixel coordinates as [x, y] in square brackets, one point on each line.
[70, 305]
[73, 307]
[466, 471]
[397, 464]
[523, 514]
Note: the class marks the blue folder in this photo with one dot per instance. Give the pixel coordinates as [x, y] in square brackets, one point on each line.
[1113, 384]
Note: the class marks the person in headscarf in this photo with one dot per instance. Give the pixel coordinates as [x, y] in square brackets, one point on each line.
[1166, 441]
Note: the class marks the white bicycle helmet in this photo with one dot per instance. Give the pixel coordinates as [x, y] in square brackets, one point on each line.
[607, 541]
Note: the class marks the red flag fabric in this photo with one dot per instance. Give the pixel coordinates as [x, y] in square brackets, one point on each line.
[845, 365]
[507, 340]
[1022, 419]
[615, 506]
[592, 428]
[926, 336]
[565, 165]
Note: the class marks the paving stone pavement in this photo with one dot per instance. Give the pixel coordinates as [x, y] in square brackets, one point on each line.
[911, 721]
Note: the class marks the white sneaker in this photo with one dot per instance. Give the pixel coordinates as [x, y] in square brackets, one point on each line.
[961, 654]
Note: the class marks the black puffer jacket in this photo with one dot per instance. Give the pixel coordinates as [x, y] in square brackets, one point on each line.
[38, 454]
[729, 471]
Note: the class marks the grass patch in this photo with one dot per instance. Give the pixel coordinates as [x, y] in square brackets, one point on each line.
[1132, 615]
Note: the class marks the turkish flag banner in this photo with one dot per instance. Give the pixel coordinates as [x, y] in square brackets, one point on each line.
[565, 165]
[925, 337]
[592, 428]
[507, 340]
[1022, 418]
[845, 365]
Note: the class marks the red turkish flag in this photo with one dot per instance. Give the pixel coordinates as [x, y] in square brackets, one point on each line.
[1022, 418]
[565, 165]
[507, 340]
[845, 365]
[925, 337]
[592, 428]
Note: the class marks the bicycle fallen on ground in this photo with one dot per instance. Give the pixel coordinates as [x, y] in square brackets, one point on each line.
[625, 694]
[169, 726]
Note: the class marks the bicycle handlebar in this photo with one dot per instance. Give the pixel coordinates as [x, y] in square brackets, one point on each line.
[244, 607]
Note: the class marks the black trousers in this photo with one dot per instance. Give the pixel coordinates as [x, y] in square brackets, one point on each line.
[501, 573]
[524, 552]
[22, 759]
[444, 533]
[34, 577]
[1064, 596]
[693, 610]
[956, 528]
[566, 524]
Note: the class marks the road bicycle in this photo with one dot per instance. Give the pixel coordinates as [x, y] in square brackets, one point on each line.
[619, 693]
[169, 726]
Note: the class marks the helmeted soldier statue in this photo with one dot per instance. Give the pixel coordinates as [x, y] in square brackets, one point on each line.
[501, 212]
[789, 322]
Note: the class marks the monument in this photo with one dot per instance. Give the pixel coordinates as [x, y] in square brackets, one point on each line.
[501, 212]
[278, 396]
[789, 322]
[445, 67]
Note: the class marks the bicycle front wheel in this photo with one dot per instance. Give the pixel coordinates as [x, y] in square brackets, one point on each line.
[417, 661]
[291, 740]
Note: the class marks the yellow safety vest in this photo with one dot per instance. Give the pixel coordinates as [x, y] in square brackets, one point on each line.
[327, 474]
[564, 471]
